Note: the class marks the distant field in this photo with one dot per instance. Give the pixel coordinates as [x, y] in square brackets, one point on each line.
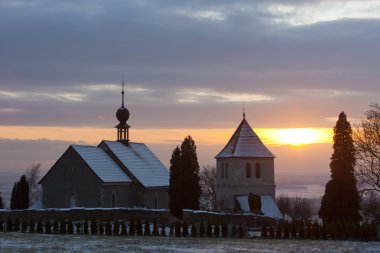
[18, 242]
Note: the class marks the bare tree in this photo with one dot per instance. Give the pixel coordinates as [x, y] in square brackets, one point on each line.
[32, 176]
[367, 150]
[208, 183]
[301, 208]
[284, 204]
[370, 207]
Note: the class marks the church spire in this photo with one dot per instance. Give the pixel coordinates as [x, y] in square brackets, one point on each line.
[122, 114]
[243, 110]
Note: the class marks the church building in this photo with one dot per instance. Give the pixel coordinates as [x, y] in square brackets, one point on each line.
[113, 174]
[245, 165]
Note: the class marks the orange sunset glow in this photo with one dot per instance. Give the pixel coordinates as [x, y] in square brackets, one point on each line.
[270, 136]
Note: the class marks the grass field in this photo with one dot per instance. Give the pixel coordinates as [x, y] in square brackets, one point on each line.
[18, 242]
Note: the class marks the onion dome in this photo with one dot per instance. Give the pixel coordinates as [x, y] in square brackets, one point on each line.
[122, 114]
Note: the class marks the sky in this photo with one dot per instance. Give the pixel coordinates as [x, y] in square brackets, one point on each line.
[189, 67]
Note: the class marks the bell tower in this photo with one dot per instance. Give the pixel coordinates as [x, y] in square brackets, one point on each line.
[122, 114]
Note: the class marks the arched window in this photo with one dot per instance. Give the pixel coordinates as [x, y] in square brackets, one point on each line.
[222, 170]
[155, 201]
[248, 170]
[113, 200]
[72, 200]
[226, 171]
[258, 170]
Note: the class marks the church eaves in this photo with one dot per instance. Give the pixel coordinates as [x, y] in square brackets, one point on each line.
[245, 143]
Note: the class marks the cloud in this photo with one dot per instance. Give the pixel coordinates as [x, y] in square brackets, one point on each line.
[207, 95]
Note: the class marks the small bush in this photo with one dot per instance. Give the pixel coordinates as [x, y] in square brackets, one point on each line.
[24, 227]
[94, 227]
[40, 228]
[193, 230]
[147, 228]
[108, 228]
[116, 227]
[85, 227]
[132, 228]
[209, 230]
[185, 229]
[202, 230]
[264, 232]
[177, 229]
[139, 227]
[101, 228]
[163, 229]
[216, 230]
[47, 227]
[70, 227]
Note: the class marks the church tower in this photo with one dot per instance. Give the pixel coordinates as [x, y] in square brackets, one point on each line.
[122, 114]
[245, 165]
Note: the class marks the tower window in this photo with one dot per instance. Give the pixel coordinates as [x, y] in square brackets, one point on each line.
[258, 170]
[113, 200]
[248, 170]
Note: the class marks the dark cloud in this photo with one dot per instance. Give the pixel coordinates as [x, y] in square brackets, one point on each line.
[55, 47]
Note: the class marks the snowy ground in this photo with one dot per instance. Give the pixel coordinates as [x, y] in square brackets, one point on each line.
[18, 242]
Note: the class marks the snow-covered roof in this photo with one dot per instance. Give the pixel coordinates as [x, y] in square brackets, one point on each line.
[141, 162]
[268, 206]
[102, 164]
[245, 143]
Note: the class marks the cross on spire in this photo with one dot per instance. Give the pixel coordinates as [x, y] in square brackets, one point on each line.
[243, 110]
[122, 92]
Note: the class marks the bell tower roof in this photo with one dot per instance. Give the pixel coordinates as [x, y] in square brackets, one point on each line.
[245, 143]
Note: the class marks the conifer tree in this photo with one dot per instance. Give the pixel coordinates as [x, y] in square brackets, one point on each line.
[184, 186]
[20, 194]
[341, 198]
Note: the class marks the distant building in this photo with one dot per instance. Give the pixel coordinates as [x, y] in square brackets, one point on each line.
[245, 165]
[113, 174]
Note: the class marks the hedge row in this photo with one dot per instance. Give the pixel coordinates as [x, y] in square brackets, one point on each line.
[315, 231]
[121, 228]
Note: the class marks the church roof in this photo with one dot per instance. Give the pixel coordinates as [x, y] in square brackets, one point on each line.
[102, 164]
[140, 162]
[245, 143]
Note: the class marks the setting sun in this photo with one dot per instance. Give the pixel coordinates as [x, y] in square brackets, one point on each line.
[301, 136]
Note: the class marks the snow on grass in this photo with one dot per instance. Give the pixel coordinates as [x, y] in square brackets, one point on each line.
[18, 242]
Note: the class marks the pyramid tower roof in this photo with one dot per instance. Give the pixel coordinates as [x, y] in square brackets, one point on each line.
[245, 143]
